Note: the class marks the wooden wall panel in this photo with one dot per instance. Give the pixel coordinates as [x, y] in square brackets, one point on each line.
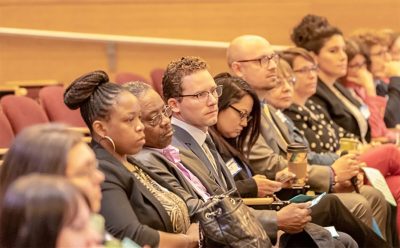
[219, 20]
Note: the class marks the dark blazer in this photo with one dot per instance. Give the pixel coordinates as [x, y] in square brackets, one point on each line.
[130, 210]
[245, 184]
[336, 109]
[186, 143]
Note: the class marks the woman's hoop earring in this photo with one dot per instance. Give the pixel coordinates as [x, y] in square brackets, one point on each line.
[110, 140]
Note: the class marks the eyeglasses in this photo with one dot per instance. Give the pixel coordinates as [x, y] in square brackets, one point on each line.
[307, 70]
[157, 119]
[289, 80]
[204, 95]
[264, 60]
[243, 115]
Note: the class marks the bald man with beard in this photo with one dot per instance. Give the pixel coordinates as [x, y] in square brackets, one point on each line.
[253, 59]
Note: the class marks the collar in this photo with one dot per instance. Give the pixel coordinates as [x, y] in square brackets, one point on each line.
[198, 135]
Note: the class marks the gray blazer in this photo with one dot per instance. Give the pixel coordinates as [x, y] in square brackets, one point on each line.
[268, 155]
[161, 166]
[196, 161]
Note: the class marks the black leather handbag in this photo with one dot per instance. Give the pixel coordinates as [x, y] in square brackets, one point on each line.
[227, 222]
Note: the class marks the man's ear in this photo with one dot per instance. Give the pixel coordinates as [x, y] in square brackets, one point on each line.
[99, 128]
[174, 104]
[236, 69]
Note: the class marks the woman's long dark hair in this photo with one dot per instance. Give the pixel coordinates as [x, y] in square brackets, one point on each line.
[34, 210]
[38, 149]
[234, 89]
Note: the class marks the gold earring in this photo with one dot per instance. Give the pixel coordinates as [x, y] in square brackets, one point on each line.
[110, 140]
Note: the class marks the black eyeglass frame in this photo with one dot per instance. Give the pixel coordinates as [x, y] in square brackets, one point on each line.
[242, 114]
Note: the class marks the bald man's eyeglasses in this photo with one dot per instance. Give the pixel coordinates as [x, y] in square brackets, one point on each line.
[264, 60]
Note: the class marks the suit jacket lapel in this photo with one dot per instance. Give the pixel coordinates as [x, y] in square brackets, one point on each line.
[192, 163]
[282, 127]
[270, 134]
[184, 137]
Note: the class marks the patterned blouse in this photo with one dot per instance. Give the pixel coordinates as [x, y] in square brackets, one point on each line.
[173, 204]
[320, 131]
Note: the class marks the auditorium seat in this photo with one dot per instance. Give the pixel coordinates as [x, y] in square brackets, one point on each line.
[52, 100]
[6, 132]
[156, 77]
[22, 111]
[124, 77]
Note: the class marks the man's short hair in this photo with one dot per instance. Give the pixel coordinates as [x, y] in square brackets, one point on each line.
[176, 70]
[137, 88]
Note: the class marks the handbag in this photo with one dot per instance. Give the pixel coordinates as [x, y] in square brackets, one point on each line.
[227, 221]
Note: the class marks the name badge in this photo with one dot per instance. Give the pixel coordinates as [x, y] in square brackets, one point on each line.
[233, 167]
[365, 111]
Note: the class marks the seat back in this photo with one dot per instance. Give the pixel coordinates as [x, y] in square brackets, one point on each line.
[124, 77]
[52, 100]
[22, 111]
[156, 77]
[6, 132]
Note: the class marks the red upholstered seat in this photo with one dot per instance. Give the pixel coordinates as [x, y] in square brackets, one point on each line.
[124, 77]
[157, 76]
[52, 100]
[22, 111]
[6, 132]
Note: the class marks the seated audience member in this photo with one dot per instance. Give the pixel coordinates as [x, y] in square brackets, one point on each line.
[320, 131]
[234, 142]
[386, 72]
[192, 94]
[253, 59]
[70, 157]
[360, 83]
[47, 212]
[136, 203]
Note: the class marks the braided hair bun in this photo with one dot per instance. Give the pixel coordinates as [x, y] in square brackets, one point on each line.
[94, 95]
[80, 90]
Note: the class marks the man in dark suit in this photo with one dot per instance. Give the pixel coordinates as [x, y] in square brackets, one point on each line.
[252, 58]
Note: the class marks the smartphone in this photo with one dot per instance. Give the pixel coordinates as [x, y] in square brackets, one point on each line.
[301, 198]
[284, 178]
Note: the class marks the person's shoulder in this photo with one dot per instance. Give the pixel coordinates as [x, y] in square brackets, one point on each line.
[150, 156]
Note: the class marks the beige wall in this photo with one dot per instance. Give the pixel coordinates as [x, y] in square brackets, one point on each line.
[219, 20]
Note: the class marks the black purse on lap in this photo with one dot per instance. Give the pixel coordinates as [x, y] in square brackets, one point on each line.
[226, 221]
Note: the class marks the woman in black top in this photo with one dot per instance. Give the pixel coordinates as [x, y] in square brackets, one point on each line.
[327, 44]
[236, 132]
[136, 203]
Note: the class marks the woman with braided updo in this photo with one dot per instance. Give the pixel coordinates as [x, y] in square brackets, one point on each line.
[136, 202]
